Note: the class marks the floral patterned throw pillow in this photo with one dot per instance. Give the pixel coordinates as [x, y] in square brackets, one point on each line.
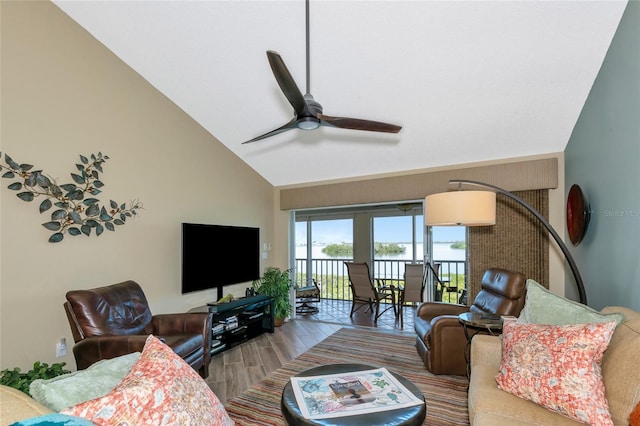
[634, 418]
[558, 367]
[160, 389]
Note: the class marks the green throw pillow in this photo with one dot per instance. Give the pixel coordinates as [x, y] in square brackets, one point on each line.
[543, 307]
[80, 386]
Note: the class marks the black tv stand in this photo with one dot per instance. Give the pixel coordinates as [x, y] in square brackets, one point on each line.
[238, 321]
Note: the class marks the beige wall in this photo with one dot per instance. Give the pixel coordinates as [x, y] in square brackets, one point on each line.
[64, 94]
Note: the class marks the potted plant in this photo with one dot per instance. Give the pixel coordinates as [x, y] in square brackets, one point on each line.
[41, 370]
[276, 283]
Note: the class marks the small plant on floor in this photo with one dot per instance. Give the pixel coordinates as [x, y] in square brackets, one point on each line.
[41, 370]
[277, 284]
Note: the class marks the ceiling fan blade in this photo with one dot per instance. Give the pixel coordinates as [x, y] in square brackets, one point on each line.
[287, 83]
[358, 124]
[290, 125]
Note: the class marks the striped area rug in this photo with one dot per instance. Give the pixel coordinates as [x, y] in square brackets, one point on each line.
[446, 396]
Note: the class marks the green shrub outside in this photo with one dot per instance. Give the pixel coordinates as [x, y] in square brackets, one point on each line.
[337, 286]
[346, 250]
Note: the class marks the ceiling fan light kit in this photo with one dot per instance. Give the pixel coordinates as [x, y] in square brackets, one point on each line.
[308, 123]
[307, 111]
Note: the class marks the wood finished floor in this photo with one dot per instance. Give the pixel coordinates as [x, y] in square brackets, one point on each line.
[236, 369]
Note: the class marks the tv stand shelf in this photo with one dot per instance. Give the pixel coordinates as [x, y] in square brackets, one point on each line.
[238, 321]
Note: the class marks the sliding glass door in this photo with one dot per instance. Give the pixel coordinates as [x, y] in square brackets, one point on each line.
[448, 248]
[396, 240]
[386, 237]
[322, 245]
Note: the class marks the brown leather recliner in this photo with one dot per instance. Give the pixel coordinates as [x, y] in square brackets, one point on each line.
[441, 341]
[115, 320]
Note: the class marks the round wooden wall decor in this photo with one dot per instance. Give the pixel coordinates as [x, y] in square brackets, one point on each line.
[578, 214]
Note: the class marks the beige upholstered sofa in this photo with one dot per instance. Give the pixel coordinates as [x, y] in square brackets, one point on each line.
[488, 405]
[16, 405]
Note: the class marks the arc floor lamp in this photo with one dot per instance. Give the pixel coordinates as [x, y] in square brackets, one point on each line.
[478, 208]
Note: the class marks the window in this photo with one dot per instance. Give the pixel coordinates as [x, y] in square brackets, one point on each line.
[322, 245]
[396, 240]
[449, 251]
[386, 237]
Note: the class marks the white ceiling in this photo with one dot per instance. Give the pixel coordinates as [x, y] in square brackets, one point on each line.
[469, 81]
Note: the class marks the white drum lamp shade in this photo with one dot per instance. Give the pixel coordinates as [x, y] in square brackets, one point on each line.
[466, 208]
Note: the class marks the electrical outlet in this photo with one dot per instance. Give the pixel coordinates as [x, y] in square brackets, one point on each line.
[61, 348]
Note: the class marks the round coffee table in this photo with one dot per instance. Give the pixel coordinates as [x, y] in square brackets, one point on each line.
[410, 416]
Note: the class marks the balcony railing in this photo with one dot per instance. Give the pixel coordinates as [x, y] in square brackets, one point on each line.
[333, 279]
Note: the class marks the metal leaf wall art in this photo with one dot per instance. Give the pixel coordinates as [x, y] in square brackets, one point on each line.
[77, 211]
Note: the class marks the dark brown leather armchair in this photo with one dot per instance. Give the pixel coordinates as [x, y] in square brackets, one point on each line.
[115, 320]
[441, 341]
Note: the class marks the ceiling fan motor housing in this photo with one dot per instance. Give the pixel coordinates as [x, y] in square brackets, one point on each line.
[313, 105]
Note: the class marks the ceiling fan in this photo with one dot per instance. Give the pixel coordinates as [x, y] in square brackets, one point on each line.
[307, 111]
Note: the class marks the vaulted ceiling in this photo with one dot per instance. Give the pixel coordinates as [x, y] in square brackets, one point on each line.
[468, 81]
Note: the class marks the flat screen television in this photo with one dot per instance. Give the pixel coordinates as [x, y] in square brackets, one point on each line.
[217, 256]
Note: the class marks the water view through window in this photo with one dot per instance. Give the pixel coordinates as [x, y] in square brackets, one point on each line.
[324, 244]
[325, 233]
[449, 242]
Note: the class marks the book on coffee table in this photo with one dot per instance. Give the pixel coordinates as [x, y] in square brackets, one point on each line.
[351, 393]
